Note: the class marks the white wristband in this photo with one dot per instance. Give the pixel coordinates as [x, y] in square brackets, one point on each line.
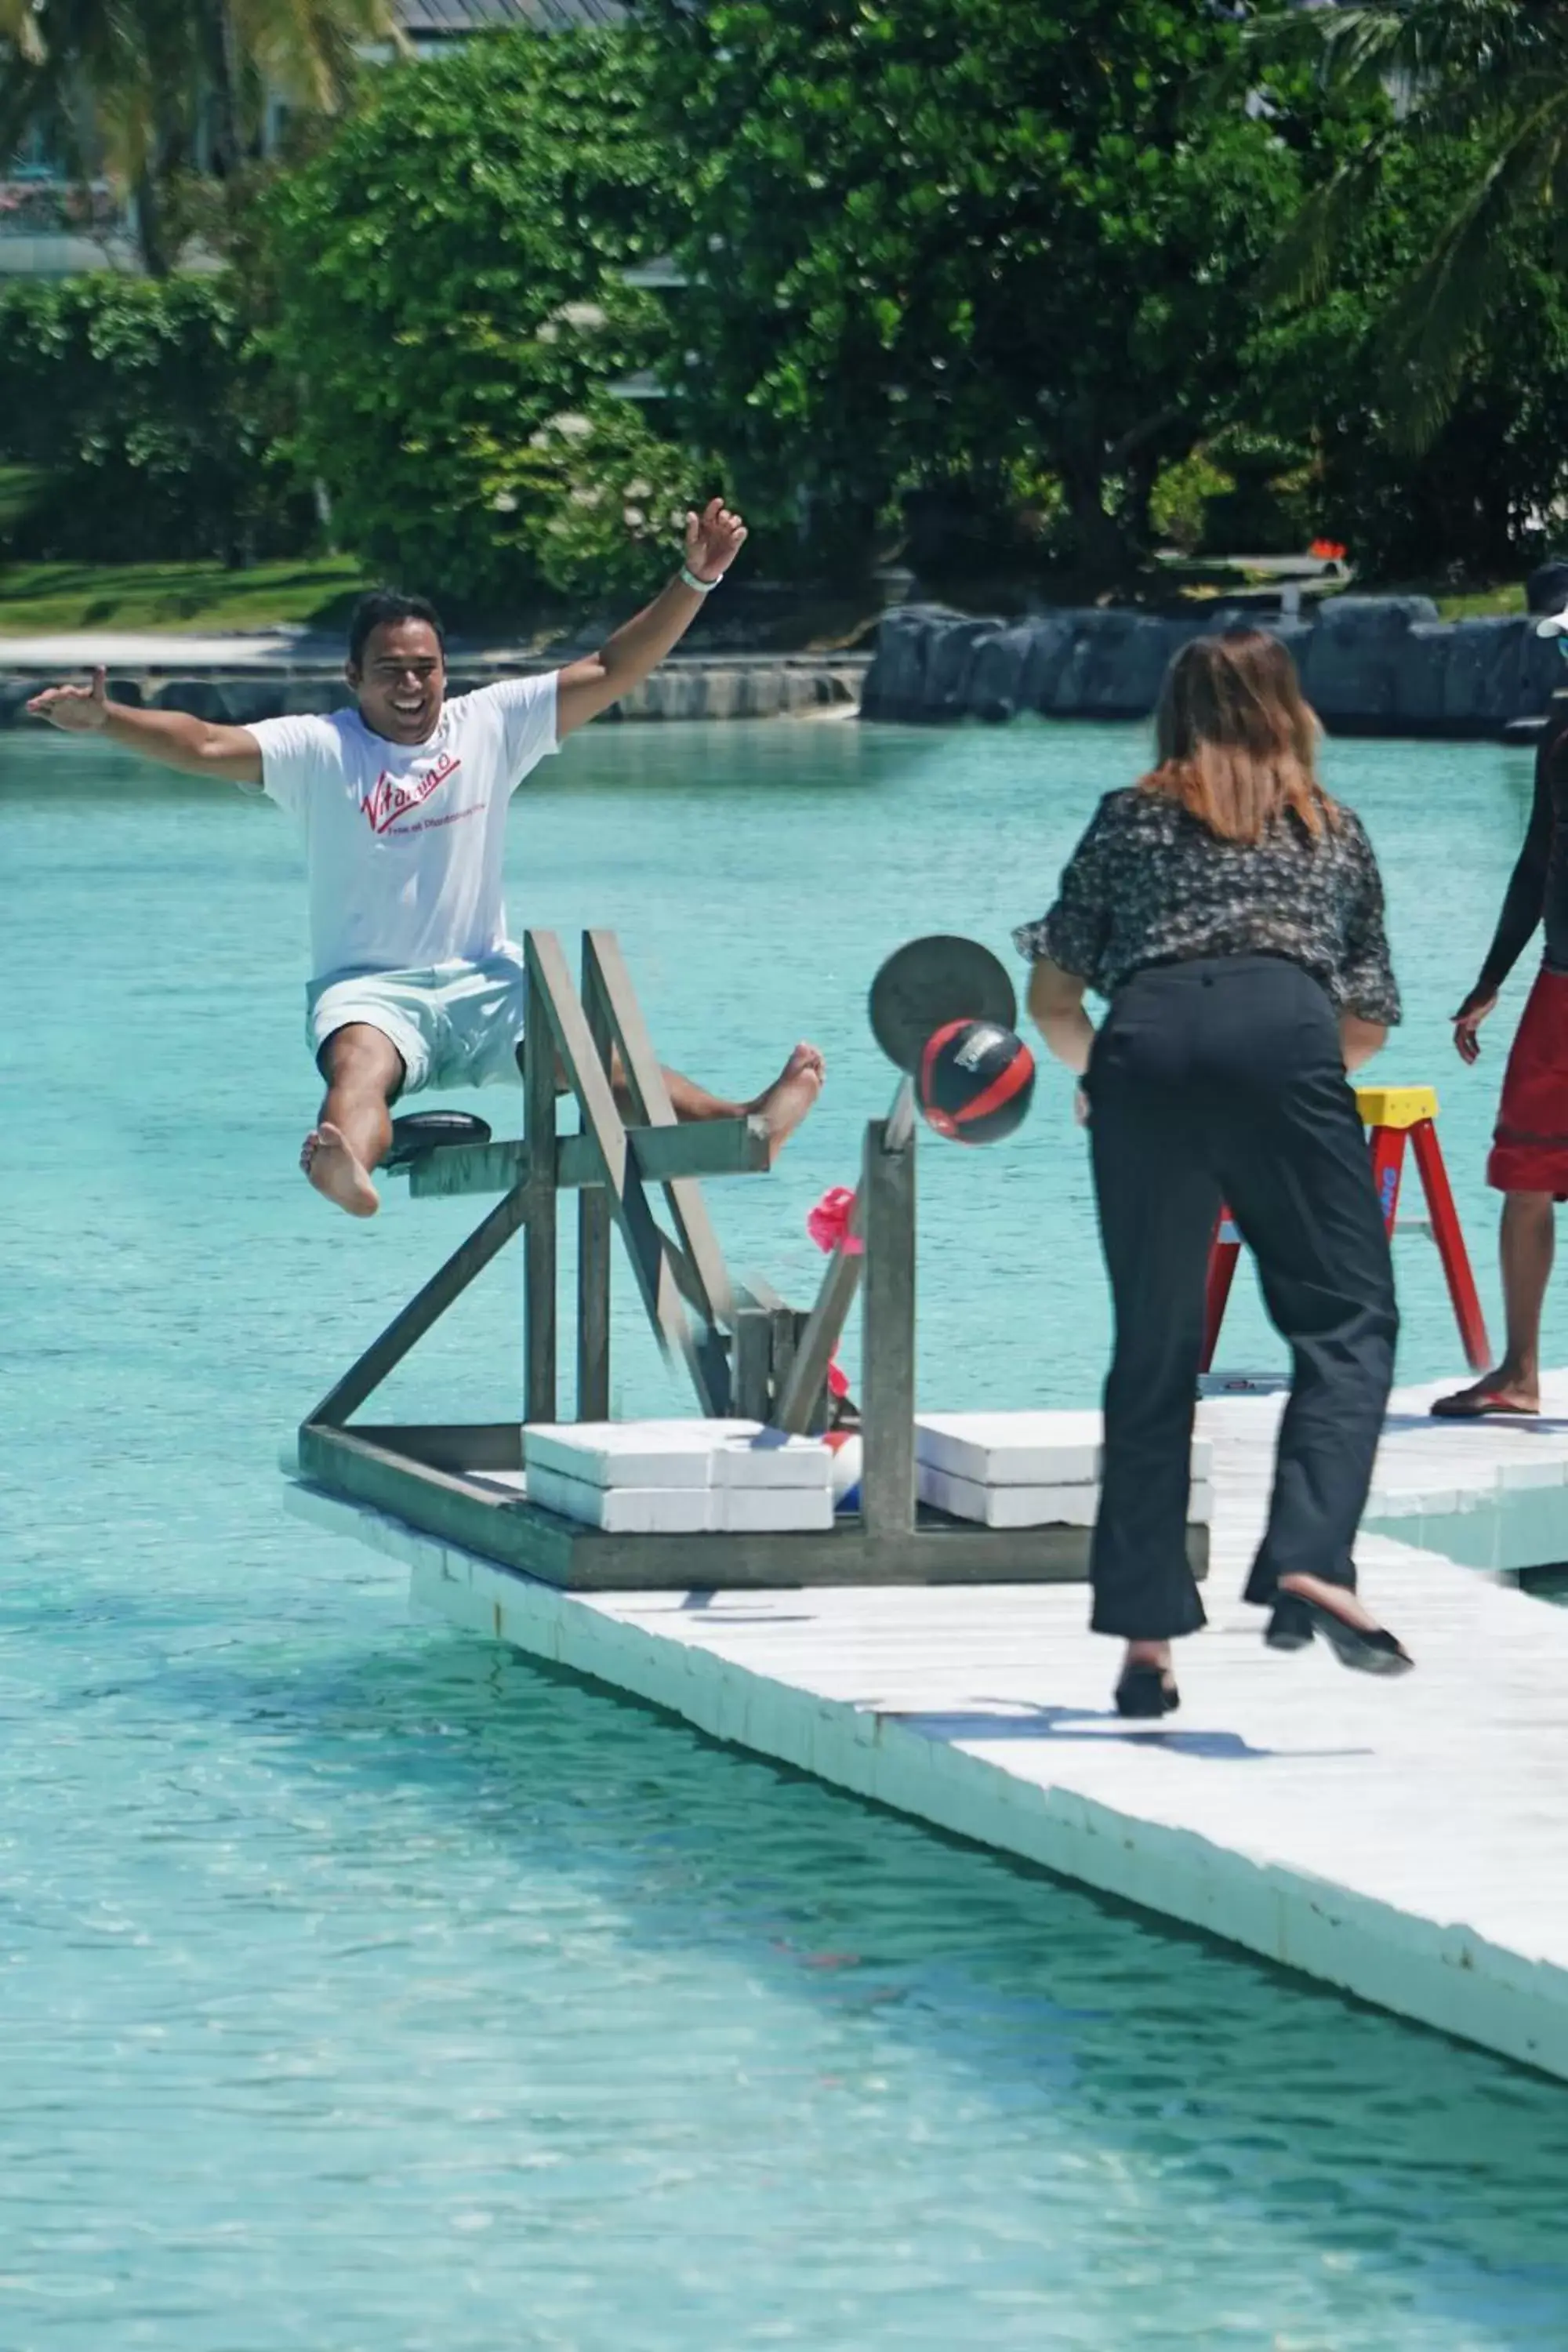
[701, 587]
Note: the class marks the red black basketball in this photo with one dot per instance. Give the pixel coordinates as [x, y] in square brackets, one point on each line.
[976, 1081]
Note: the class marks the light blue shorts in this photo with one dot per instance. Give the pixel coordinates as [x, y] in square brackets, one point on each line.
[454, 1024]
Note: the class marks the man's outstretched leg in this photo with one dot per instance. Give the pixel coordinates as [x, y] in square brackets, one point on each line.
[1526, 1243]
[782, 1106]
[364, 1071]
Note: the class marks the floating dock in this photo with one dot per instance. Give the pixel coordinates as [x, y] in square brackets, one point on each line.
[1406, 1842]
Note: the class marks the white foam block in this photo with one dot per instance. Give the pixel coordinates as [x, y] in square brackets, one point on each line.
[1022, 1449]
[623, 1510]
[1008, 1506]
[637, 1454]
[771, 1461]
[1032, 1506]
[772, 1510]
[1011, 1449]
[678, 1454]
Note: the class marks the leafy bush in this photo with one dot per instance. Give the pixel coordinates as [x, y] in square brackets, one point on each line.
[142, 425]
[935, 238]
[449, 299]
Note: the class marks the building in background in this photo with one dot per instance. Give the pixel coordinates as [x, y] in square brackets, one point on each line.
[54, 222]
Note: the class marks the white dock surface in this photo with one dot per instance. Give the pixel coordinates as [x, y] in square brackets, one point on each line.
[1407, 1840]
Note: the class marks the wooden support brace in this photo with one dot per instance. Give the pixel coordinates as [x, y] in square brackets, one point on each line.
[539, 1254]
[887, 1375]
[426, 1306]
[798, 1395]
[645, 1246]
[594, 1243]
[607, 987]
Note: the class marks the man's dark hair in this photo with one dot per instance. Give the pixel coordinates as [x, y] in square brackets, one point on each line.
[385, 605]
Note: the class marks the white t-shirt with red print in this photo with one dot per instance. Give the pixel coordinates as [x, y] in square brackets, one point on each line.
[404, 843]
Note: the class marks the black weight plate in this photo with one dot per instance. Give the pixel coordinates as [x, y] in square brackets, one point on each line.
[928, 982]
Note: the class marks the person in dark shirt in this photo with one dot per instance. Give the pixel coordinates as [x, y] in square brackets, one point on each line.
[1233, 915]
[1529, 1160]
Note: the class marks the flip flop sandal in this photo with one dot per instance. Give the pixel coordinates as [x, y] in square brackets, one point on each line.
[1488, 1405]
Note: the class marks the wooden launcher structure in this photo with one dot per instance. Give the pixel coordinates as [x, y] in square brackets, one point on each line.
[747, 1353]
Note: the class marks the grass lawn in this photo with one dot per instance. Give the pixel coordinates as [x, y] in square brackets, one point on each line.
[1475, 601]
[48, 599]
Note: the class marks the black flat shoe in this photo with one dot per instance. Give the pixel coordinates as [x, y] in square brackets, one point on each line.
[1373, 1652]
[1143, 1691]
[1291, 1627]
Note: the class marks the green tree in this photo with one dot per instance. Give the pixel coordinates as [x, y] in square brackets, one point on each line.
[932, 238]
[139, 423]
[1484, 81]
[449, 296]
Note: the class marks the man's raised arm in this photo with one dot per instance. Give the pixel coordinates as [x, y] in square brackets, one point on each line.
[196, 747]
[713, 539]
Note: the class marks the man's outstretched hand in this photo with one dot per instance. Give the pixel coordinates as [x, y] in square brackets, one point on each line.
[1468, 1020]
[713, 539]
[76, 709]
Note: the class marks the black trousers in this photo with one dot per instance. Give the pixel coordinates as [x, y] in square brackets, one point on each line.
[1223, 1080]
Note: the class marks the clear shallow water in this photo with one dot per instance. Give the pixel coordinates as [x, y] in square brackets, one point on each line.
[362, 1986]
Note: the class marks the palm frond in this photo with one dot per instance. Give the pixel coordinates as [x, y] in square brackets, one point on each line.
[1438, 312]
[1302, 265]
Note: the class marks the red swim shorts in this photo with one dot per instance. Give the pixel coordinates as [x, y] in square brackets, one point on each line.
[1529, 1144]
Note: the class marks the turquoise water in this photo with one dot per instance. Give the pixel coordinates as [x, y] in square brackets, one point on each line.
[365, 1987]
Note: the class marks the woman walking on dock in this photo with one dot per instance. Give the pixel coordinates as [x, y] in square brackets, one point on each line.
[1232, 913]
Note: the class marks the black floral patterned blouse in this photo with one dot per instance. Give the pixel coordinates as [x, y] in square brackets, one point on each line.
[1150, 883]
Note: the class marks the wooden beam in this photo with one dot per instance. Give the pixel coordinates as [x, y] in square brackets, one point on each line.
[806, 1377]
[719, 1147]
[517, 1534]
[605, 976]
[367, 1466]
[428, 1305]
[887, 1375]
[595, 1242]
[752, 1369]
[645, 1244]
[539, 1268]
[799, 1394]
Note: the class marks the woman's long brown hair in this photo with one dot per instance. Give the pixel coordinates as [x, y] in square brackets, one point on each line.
[1236, 740]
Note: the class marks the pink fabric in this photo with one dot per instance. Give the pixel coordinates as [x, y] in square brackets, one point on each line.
[828, 1224]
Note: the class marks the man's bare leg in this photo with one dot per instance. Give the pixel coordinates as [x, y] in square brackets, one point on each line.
[364, 1072]
[783, 1105]
[1526, 1240]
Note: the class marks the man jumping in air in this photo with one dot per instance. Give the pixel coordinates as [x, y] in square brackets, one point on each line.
[403, 801]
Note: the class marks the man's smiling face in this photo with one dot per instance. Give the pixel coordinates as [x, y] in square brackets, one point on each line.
[400, 681]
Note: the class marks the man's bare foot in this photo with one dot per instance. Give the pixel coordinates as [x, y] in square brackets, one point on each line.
[337, 1170]
[1498, 1393]
[792, 1095]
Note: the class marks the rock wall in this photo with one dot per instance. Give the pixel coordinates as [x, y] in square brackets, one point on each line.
[747, 689]
[1370, 665]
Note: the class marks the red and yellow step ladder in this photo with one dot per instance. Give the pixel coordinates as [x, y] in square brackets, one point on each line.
[1392, 1115]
